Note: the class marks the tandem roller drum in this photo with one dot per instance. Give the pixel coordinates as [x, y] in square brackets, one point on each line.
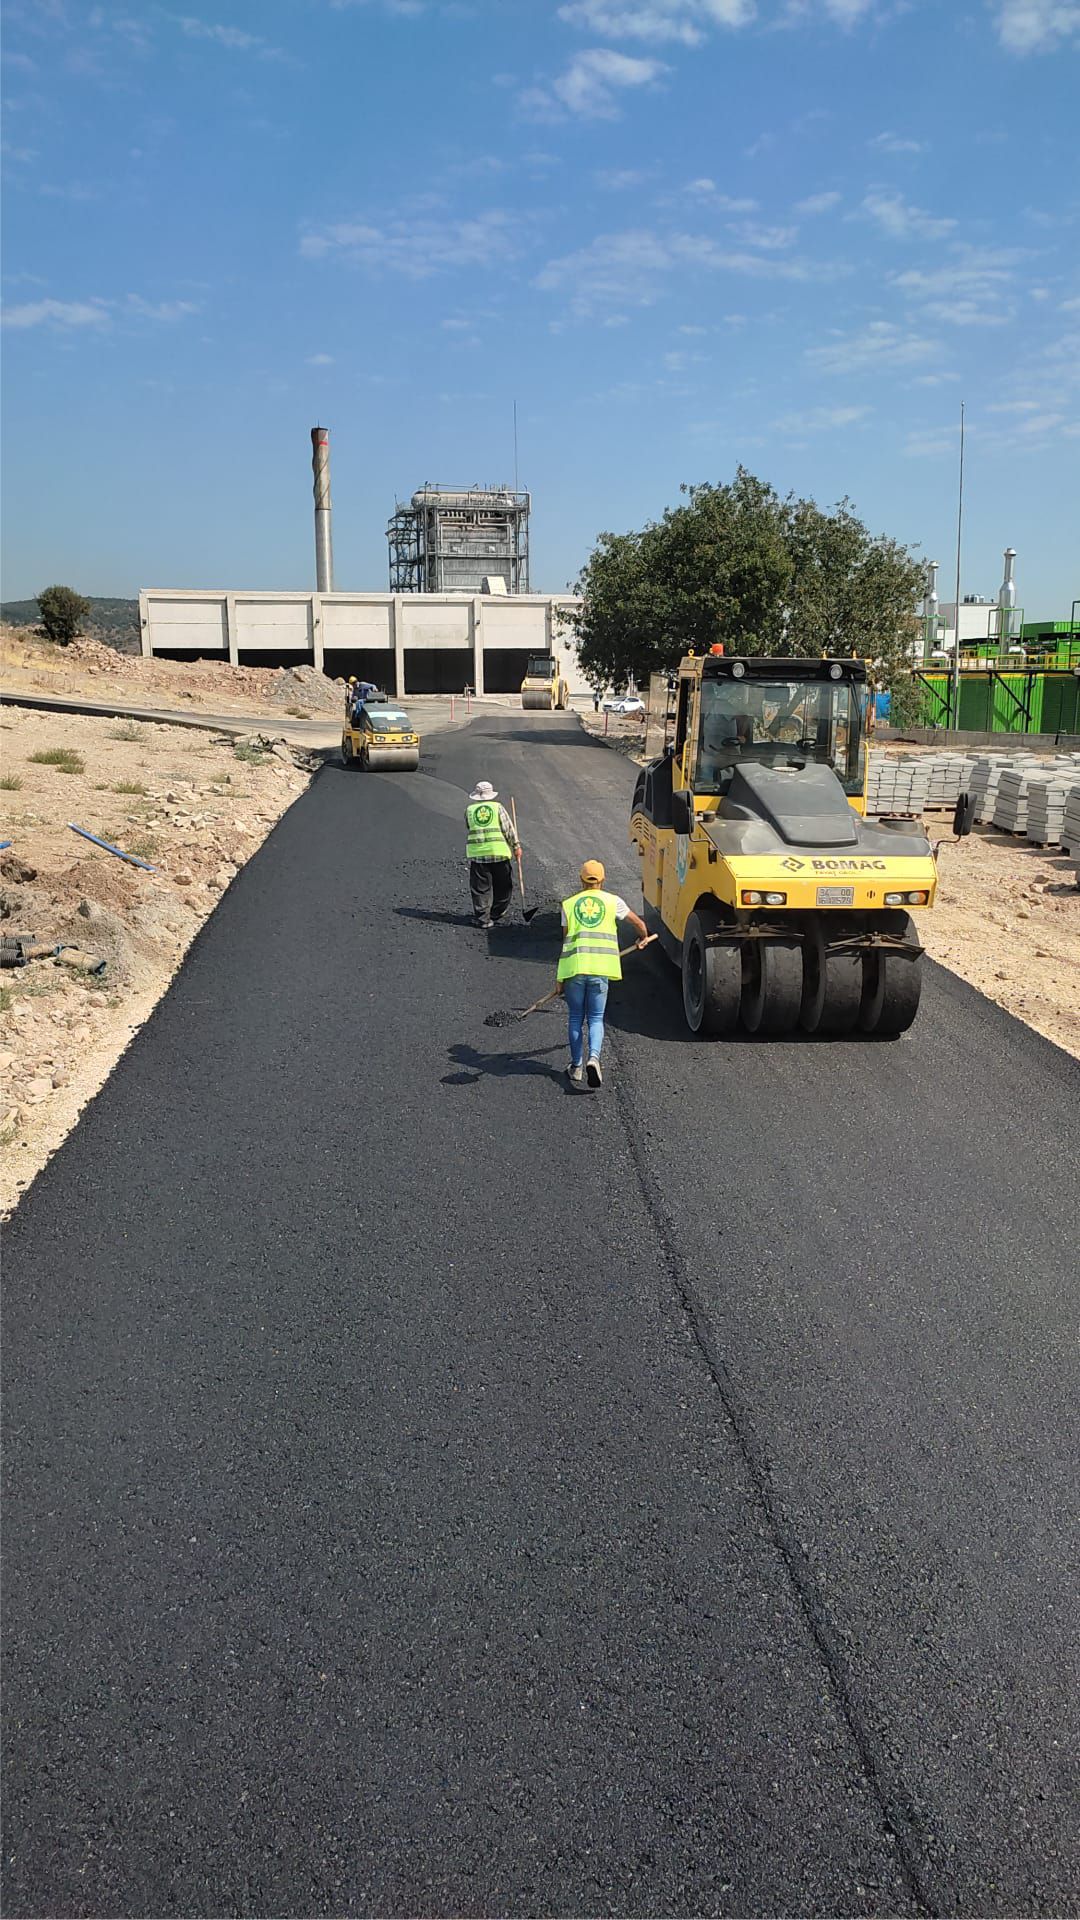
[390, 759]
[536, 700]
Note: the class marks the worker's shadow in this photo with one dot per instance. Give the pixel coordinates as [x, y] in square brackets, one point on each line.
[501, 1066]
[433, 913]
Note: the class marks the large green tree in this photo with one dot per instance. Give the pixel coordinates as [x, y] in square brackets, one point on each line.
[761, 572]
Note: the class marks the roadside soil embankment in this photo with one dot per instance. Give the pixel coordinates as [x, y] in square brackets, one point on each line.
[89, 670]
[195, 806]
[1007, 917]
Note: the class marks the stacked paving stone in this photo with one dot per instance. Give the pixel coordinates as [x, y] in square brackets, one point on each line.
[1046, 808]
[985, 775]
[1070, 823]
[896, 785]
[949, 776]
[1011, 805]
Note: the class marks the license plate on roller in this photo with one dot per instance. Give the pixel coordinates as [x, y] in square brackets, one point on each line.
[836, 896]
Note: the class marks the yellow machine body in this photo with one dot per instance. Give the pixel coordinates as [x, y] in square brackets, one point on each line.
[380, 739]
[543, 689]
[782, 904]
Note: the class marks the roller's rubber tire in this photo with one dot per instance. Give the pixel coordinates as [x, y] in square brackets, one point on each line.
[833, 987]
[711, 979]
[772, 985]
[892, 986]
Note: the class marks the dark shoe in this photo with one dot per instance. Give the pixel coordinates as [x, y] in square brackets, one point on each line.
[593, 1073]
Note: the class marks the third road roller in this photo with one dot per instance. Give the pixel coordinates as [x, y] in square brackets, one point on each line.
[543, 689]
[784, 907]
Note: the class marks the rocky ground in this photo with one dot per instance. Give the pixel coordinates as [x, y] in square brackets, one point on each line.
[195, 806]
[1007, 916]
[90, 670]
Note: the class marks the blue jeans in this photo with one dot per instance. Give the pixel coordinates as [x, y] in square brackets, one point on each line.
[586, 998]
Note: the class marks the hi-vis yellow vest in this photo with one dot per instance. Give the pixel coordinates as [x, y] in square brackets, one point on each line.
[592, 936]
[487, 840]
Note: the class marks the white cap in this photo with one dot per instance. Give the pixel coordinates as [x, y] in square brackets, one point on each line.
[483, 790]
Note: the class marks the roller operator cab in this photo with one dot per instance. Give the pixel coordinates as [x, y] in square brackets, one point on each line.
[782, 904]
[379, 737]
[543, 689]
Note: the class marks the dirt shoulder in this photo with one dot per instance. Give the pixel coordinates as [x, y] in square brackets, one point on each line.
[193, 805]
[1007, 917]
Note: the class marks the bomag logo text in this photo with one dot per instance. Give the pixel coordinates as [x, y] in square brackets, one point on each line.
[848, 866]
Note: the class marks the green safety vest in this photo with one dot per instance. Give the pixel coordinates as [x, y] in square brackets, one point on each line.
[591, 944]
[487, 840]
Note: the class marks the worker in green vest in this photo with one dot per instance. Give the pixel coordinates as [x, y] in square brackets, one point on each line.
[589, 962]
[491, 847]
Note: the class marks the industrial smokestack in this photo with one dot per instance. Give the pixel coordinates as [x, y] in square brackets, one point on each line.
[1007, 597]
[324, 543]
[930, 608]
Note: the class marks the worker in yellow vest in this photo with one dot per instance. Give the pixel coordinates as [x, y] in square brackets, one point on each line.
[589, 962]
[491, 847]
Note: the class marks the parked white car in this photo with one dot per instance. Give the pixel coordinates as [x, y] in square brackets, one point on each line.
[622, 703]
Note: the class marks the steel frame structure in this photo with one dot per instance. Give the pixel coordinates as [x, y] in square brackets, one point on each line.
[449, 539]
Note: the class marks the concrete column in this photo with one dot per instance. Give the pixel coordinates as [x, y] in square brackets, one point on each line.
[144, 625]
[317, 630]
[397, 635]
[231, 629]
[476, 621]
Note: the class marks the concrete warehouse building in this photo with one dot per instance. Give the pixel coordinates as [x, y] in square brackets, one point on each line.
[405, 642]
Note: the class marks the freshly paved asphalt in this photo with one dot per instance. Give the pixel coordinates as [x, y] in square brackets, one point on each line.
[429, 1490]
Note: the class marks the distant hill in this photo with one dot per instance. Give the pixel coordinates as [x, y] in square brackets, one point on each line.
[116, 622]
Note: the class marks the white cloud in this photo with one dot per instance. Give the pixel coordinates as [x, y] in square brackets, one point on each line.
[1036, 26]
[769, 239]
[901, 221]
[630, 268]
[707, 191]
[881, 344]
[1070, 306]
[235, 39]
[818, 203]
[61, 314]
[619, 179]
[321, 360]
[896, 143]
[417, 248]
[589, 85]
[683, 21]
[968, 289]
[76, 191]
[821, 419]
[930, 443]
[165, 310]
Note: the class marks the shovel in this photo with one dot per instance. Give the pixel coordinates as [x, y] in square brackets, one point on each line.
[511, 1019]
[527, 913]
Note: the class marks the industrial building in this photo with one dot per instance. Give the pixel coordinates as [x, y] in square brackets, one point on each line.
[460, 540]
[405, 642]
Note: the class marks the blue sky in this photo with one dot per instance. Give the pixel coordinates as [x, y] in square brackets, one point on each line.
[680, 234]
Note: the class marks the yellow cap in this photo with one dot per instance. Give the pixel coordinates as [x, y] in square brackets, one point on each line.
[593, 870]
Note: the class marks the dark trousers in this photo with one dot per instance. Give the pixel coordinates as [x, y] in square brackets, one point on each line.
[491, 882]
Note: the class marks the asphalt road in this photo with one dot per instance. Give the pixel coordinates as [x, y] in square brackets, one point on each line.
[430, 1490]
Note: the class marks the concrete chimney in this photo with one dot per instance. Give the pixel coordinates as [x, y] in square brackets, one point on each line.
[930, 608]
[324, 543]
[1007, 626]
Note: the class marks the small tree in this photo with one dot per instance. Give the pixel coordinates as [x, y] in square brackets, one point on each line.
[62, 613]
